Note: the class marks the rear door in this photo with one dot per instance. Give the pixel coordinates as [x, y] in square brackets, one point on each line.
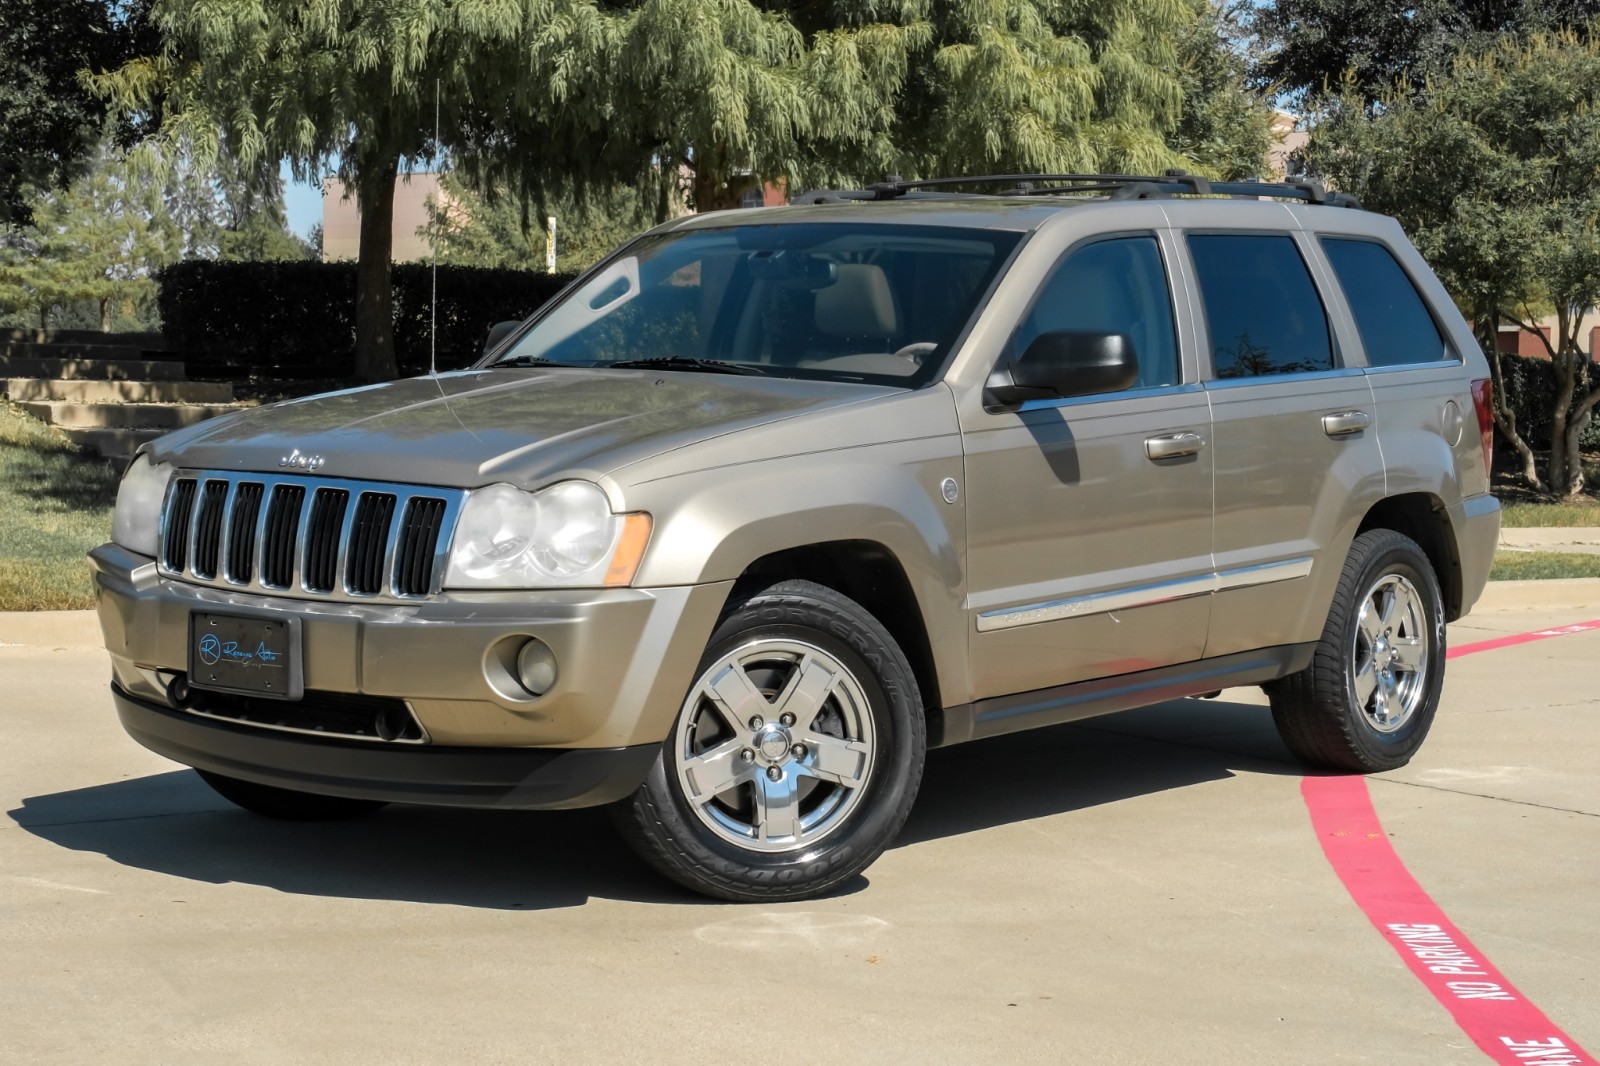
[1294, 437]
[1425, 417]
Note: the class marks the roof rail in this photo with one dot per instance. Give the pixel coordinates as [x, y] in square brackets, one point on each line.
[1116, 186]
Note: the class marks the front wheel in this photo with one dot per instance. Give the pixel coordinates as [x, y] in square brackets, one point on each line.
[795, 757]
[1369, 696]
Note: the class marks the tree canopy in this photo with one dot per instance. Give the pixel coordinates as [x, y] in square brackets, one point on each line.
[540, 98]
[1491, 170]
[99, 240]
[1311, 45]
[49, 122]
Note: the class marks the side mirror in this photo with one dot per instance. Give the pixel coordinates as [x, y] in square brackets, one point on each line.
[1066, 363]
[497, 333]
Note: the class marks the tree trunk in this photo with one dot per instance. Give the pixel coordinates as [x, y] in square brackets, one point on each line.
[44, 317]
[1563, 444]
[105, 314]
[1505, 419]
[713, 188]
[375, 359]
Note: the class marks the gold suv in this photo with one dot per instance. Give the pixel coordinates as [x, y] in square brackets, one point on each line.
[770, 502]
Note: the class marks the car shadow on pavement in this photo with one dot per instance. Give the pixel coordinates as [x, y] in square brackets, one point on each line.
[1043, 772]
[172, 823]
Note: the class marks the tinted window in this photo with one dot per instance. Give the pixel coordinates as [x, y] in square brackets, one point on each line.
[1393, 321]
[1115, 286]
[1262, 310]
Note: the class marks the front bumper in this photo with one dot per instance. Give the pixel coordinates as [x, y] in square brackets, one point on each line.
[520, 778]
[624, 657]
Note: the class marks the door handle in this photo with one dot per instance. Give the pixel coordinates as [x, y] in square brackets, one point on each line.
[1345, 423]
[1173, 446]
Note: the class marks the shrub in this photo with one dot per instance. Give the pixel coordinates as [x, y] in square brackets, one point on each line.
[296, 320]
[1530, 386]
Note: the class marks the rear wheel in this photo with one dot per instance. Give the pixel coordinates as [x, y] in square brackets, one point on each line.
[795, 757]
[287, 804]
[1368, 698]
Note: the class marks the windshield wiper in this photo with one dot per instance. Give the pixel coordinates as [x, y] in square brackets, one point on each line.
[678, 362]
[527, 360]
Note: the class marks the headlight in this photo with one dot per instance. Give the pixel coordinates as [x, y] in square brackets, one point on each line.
[138, 516]
[562, 535]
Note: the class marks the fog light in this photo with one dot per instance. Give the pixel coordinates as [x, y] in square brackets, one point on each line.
[536, 667]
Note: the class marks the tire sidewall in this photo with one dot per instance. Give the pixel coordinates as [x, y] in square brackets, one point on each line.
[1393, 750]
[887, 682]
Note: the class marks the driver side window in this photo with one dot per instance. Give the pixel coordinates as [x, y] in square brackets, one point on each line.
[1111, 286]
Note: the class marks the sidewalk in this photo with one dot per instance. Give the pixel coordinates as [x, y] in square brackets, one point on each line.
[1583, 540]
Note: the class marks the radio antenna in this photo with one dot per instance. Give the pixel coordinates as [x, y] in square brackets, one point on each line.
[433, 300]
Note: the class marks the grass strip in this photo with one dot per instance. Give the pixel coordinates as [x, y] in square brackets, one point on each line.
[1540, 566]
[55, 504]
[1584, 512]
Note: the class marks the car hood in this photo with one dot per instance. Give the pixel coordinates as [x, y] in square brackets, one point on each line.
[523, 426]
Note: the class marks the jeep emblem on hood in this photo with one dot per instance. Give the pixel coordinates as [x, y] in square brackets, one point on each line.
[295, 461]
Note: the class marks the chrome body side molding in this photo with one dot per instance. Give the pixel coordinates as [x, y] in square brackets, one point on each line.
[1144, 595]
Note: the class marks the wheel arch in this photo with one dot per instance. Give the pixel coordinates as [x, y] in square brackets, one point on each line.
[1422, 517]
[869, 573]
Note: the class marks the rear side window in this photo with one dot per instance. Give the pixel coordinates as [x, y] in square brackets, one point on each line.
[1394, 323]
[1112, 286]
[1262, 309]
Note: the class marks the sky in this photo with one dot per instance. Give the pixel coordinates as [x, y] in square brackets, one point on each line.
[302, 202]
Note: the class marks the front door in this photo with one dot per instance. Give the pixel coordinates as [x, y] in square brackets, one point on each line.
[1089, 520]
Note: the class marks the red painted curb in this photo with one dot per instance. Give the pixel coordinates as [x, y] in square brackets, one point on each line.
[1485, 1005]
[1520, 638]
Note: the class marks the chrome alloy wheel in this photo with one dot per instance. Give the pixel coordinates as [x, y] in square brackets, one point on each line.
[775, 745]
[1389, 658]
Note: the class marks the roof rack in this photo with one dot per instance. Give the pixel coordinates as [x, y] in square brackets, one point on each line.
[1116, 186]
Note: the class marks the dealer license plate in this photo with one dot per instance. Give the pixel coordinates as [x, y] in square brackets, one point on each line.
[250, 656]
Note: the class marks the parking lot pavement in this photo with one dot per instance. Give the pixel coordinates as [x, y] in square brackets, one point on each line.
[1141, 888]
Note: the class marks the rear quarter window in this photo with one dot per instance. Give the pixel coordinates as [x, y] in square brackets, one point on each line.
[1391, 318]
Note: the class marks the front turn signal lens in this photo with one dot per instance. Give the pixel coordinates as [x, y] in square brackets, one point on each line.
[629, 552]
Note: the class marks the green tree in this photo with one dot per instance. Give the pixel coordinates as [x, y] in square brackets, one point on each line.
[1311, 45]
[466, 228]
[350, 85]
[812, 91]
[99, 240]
[1491, 169]
[542, 96]
[49, 123]
[1226, 127]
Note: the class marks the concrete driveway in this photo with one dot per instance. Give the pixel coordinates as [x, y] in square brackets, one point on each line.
[1142, 888]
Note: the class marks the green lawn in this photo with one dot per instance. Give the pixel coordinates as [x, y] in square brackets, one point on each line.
[55, 504]
[1585, 512]
[1534, 566]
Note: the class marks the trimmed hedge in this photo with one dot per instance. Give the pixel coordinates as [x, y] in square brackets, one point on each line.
[296, 320]
[1530, 386]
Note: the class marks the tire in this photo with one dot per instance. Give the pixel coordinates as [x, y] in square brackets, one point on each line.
[794, 806]
[286, 804]
[1367, 700]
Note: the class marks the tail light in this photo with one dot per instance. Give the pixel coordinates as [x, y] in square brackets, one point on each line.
[1480, 403]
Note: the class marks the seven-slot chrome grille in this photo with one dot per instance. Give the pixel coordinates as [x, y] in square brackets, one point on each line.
[305, 536]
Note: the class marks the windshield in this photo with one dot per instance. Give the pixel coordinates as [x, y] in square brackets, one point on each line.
[845, 301]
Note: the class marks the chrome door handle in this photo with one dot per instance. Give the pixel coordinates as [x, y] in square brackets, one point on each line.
[1345, 423]
[1173, 446]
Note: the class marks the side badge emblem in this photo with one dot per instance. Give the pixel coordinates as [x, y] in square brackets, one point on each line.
[949, 490]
